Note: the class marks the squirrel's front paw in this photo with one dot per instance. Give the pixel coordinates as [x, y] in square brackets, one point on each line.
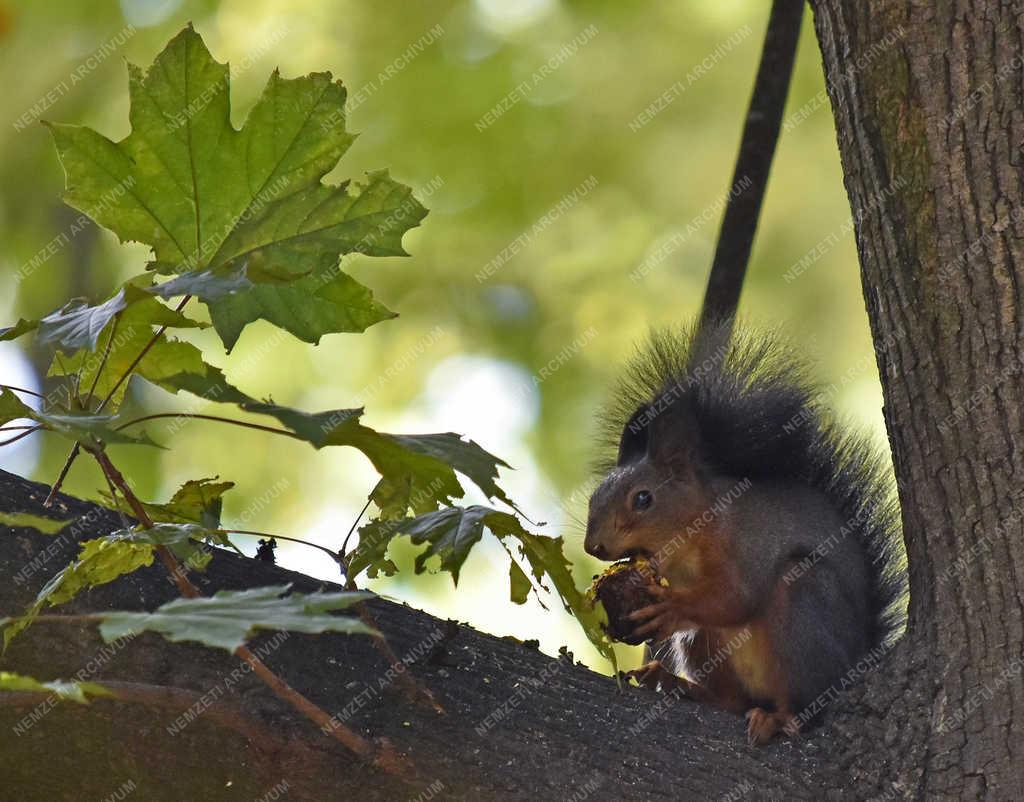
[654, 675]
[662, 620]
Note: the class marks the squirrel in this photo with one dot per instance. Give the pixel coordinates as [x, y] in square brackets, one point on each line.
[775, 533]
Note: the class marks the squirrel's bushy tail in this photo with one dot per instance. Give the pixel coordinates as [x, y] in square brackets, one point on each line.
[758, 414]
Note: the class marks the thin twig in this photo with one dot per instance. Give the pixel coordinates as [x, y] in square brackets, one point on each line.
[413, 690]
[113, 497]
[381, 754]
[55, 488]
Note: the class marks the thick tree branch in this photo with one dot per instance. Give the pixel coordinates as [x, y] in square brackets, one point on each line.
[520, 725]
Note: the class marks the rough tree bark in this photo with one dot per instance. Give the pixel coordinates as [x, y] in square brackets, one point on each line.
[929, 109]
[930, 130]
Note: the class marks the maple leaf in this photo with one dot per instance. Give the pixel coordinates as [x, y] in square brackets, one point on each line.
[210, 199]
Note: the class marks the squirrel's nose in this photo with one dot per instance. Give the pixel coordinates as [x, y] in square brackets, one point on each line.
[596, 550]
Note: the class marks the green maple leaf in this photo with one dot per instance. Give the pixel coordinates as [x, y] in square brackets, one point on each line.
[418, 471]
[209, 198]
[12, 407]
[309, 308]
[546, 558]
[226, 619]
[126, 337]
[197, 501]
[450, 534]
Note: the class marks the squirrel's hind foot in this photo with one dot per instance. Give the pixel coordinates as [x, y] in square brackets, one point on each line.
[762, 726]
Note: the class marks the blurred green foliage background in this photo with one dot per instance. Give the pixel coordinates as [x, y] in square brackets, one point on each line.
[515, 348]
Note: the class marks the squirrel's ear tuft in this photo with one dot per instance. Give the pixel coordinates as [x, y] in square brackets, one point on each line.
[633, 442]
[673, 439]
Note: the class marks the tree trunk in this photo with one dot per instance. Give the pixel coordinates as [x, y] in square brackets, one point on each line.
[928, 106]
[930, 128]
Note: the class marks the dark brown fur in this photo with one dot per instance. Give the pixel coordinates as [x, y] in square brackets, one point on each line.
[777, 534]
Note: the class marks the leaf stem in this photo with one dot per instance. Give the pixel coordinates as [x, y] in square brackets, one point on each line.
[106, 355]
[135, 362]
[355, 523]
[334, 555]
[76, 449]
[113, 497]
[72, 395]
[217, 418]
[22, 390]
[24, 434]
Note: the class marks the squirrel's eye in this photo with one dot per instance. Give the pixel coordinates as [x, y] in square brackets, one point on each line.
[642, 500]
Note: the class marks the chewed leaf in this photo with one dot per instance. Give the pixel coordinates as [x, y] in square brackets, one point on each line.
[67, 690]
[197, 501]
[100, 561]
[226, 619]
[212, 199]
